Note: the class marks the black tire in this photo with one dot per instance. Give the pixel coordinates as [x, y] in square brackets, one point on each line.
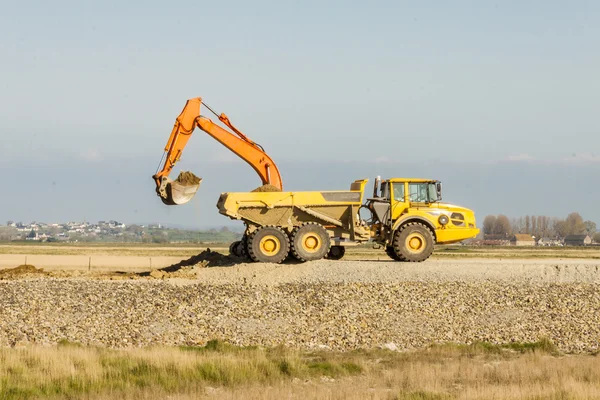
[310, 242]
[268, 244]
[233, 248]
[413, 242]
[242, 248]
[238, 248]
[336, 253]
[389, 250]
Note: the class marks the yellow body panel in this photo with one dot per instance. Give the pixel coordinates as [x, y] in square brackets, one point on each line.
[337, 211]
[449, 233]
[230, 203]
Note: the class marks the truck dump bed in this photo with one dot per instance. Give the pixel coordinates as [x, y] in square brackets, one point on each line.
[336, 210]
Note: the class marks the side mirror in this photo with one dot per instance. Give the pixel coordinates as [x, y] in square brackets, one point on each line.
[438, 188]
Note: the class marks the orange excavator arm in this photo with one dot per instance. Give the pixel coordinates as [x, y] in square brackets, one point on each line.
[237, 142]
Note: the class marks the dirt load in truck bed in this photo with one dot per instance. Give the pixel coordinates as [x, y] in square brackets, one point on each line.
[266, 188]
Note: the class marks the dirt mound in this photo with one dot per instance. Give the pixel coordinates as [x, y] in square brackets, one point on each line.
[21, 270]
[187, 178]
[187, 268]
[267, 188]
[209, 258]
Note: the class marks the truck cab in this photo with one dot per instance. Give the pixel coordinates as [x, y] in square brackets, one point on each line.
[409, 217]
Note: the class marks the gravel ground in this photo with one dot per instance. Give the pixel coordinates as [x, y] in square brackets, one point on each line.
[340, 305]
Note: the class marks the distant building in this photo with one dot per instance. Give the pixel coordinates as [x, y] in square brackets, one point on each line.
[522, 239]
[578, 240]
[549, 242]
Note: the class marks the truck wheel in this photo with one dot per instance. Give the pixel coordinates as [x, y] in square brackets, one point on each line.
[233, 248]
[336, 253]
[389, 250]
[413, 242]
[268, 244]
[310, 242]
[238, 248]
[242, 248]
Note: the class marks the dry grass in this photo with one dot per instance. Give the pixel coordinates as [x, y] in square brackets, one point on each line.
[478, 371]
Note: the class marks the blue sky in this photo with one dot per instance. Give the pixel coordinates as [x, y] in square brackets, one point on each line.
[90, 91]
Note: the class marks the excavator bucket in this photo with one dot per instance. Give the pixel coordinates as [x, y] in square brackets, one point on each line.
[181, 190]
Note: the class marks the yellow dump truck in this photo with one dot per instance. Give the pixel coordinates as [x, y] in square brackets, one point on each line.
[404, 216]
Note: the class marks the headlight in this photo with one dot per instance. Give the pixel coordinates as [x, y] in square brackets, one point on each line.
[443, 220]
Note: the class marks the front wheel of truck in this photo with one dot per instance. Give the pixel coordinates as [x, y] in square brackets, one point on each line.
[413, 242]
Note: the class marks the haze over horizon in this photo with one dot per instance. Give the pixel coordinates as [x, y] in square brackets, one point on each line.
[498, 101]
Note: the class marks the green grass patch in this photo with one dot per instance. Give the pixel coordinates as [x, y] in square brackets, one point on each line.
[543, 345]
[423, 395]
[70, 370]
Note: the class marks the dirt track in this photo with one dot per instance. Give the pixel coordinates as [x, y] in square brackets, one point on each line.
[333, 304]
[375, 268]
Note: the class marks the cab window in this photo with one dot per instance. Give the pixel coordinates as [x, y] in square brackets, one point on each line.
[422, 192]
[398, 191]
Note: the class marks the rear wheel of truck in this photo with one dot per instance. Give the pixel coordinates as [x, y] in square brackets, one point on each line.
[310, 242]
[238, 248]
[413, 242]
[336, 253]
[233, 248]
[389, 250]
[268, 244]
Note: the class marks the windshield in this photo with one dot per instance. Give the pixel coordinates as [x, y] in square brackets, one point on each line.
[423, 192]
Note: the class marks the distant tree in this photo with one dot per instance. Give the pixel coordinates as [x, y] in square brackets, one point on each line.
[597, 237]
[7, 233]
[488, 224]
[502, 225]
[159, 237]
[575, 224]
[560, 228]
[553, 227]
[534, 229]
[540, 226]
[527, 224]
[590, 227]
[133, 228]
[516, 224]
[9, 222]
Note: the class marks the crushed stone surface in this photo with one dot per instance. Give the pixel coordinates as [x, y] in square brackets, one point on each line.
[338, 305]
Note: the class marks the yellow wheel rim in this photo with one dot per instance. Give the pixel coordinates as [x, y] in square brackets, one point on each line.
[311, 242]
[415, 243]
[270, 245]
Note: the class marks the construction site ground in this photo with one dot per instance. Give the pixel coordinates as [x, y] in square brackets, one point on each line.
[131, 296]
